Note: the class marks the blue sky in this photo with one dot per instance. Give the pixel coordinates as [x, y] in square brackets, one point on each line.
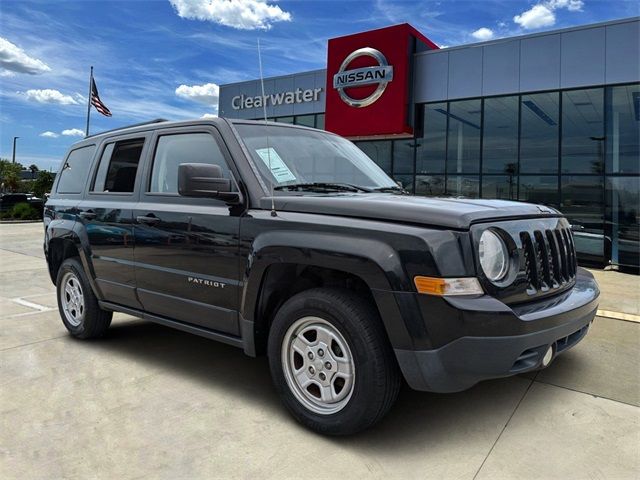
[165, 58]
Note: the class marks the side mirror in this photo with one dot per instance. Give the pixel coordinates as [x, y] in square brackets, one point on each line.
[204, 180]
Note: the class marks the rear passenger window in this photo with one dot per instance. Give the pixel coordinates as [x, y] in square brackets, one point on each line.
[73, 176]
[172, 150]
[118, 166]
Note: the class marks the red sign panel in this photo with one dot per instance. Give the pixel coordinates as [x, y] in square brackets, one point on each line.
[368, 81]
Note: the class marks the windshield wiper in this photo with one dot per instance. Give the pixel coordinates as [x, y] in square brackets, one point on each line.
[340, 187]
[390, 189]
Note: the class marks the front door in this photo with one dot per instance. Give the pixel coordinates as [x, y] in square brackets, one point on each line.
[186, 253]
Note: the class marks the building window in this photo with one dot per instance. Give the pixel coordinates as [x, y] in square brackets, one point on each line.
[463, 150]
[623, 206]
[430, 185]
[500, 186]
[583, 131]
[431, 148]
[500, 135]
[379, 152]
[463, 186]
[542, 189]
[623, 129]
[320, 121]
[403, 160]
[284, 119]
[405, 181]
[539, 133]
[582, 202]
[305, 120]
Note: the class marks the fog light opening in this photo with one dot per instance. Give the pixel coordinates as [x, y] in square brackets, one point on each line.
[548, 356]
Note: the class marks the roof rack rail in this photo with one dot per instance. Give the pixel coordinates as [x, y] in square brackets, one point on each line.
[156, 120]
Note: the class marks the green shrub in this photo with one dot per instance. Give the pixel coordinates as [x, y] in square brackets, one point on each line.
[24, 211]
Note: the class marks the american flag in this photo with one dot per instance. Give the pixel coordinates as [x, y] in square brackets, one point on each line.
[96, 102]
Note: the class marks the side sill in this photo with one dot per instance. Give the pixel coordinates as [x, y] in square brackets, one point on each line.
[203, 332]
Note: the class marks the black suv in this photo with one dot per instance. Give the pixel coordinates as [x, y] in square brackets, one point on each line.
[291, 242]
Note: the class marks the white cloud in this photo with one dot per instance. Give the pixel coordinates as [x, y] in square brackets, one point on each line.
[49, 134]
[49, 95]
[240, 14]
[536, 17]
[209, 115]
[543, 14]
[14, 59]
[73, 132]
[482, 34]
[571, 5]
[207, 93]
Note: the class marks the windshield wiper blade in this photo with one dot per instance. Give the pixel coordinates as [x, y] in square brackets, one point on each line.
[390, 189]
[344, 187]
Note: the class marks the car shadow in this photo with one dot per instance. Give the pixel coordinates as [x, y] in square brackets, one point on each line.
[417, 418]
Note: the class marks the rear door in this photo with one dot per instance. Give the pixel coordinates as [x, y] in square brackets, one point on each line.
[107, 213]
[187, 264]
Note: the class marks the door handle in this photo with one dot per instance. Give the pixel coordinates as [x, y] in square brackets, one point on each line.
[147, 219]
[88, 215]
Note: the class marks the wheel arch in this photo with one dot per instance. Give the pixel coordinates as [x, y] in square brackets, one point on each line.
[66, 239]
[282, 264]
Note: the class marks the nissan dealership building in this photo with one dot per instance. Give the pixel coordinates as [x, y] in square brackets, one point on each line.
[551, 118]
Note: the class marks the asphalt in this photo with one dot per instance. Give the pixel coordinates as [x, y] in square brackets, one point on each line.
[148, 401]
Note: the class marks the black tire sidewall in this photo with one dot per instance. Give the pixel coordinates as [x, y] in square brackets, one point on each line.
[91, 309]
[364, 404]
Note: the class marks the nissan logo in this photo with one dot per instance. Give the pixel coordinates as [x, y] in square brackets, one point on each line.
[380, 75]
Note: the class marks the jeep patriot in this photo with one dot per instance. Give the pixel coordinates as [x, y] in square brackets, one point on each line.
[290, 242]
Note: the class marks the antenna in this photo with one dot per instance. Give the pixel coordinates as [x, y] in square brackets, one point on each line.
[264, 111]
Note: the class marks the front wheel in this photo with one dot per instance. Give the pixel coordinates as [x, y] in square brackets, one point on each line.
[331, 361]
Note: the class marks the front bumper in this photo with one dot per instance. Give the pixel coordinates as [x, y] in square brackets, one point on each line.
[529, 330]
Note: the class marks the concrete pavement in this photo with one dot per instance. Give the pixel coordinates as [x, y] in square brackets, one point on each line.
[148, 401]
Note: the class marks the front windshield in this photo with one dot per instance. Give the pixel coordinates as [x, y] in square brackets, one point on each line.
[287, 156]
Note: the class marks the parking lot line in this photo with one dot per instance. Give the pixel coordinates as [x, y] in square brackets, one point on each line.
[27, 303]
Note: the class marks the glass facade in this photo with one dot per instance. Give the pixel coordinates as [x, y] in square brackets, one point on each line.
[576, 150]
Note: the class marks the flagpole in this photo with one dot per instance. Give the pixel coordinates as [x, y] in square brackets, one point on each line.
[89, 101]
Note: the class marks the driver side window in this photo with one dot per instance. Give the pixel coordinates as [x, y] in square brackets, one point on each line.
[174, 149]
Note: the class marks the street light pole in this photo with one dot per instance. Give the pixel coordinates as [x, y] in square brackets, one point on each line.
[14, 149]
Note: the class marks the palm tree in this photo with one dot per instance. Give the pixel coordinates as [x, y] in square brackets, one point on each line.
[34, 169]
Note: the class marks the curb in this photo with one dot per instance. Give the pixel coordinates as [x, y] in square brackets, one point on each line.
[19, 221]
[627, 317]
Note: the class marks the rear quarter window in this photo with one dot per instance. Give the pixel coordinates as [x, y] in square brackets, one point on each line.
[73, 175]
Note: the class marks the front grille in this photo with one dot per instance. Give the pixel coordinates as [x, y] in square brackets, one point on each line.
[549, 259]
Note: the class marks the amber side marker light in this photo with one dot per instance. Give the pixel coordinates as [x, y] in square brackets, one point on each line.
[448, 286]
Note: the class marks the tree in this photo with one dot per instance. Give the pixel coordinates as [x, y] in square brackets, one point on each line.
[9, 175]
[42, 183]
[34, 169]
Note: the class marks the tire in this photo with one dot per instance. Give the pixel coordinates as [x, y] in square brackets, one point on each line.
[77, 303]
[350, 330]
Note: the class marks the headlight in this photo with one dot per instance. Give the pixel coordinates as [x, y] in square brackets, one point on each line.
[494, 258]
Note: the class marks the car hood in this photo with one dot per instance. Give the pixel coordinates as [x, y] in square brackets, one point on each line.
[454, 213]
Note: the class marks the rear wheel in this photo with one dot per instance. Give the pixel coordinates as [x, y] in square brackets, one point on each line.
[331, 362]
[77, 304]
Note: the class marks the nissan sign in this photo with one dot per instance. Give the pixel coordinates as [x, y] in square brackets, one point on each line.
[380, 75]
[368, 82]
